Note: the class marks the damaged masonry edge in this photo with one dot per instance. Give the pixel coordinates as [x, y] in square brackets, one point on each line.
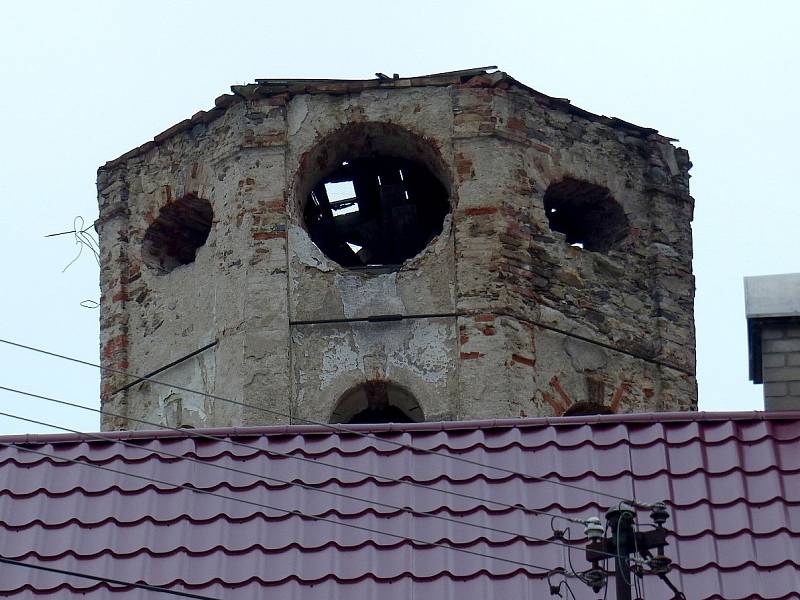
[266, 88]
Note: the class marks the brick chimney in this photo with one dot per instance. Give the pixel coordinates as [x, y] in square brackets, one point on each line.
[772, 304]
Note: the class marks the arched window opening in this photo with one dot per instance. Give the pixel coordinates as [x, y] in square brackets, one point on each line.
[179, 231]
[586, 213]
[587, 408]
[377, 402]
[375, 211]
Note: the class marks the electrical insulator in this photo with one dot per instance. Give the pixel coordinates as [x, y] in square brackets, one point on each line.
[593, 529]
[659, 564]
[659, 513]
[595, 579]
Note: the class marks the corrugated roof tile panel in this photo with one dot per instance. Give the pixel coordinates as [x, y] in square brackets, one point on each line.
[732, 484]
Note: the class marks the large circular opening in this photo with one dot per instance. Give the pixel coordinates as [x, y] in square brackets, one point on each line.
[377, 402]
[372, 194]
[376, 211]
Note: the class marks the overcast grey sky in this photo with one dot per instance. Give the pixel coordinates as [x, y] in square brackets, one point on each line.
[83, 82]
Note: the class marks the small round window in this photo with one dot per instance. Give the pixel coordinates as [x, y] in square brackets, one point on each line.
[375, 211]
[587, 214]
[179, 231]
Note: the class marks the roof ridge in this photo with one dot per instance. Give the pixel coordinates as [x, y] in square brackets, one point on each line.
[411, 428]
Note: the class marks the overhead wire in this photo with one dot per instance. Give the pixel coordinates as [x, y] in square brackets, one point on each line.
[191, 488]
[101, 437]
[330, 426]
[109, 580]
[82, 239]
[226, 440]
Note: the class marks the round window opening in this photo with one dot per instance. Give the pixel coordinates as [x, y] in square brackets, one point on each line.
[375, 212]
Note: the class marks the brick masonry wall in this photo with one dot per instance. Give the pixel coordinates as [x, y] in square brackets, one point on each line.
[503, 317]
[780, 365]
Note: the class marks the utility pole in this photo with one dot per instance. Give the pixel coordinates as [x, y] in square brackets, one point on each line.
[623, 541]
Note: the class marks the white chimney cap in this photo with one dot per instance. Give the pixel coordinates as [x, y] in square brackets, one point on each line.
[771, 296]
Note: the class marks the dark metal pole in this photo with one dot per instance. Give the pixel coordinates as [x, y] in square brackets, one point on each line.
[620, 521]
[624, 541]
[621, 566]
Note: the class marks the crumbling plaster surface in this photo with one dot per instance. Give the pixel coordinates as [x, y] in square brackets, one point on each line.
[167, 316]
[502, 317]
[416, 354]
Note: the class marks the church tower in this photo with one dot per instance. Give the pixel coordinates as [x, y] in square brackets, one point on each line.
[453, 246]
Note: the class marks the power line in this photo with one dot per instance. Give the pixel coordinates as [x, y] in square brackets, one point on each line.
[199, 434]
[304, 486]
[333, 427]
[287, 511]
[141, 586]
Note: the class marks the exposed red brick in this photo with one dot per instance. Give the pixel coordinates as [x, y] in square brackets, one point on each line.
[558, 409]
[470, 355]
[463, 339]
[488, 330]
[268, 235]
[541, 147]
[463, 166]
[478, 81]
[276, 205]
[516, 124]
[556, 385]
[120, 297]
[484, 318]
[524, 360]
[617, 397]
[480, 210]
[119, 342]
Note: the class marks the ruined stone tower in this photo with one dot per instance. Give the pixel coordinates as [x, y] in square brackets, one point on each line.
[454, 246]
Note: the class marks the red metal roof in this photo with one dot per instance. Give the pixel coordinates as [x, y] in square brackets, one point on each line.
[732, 483]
